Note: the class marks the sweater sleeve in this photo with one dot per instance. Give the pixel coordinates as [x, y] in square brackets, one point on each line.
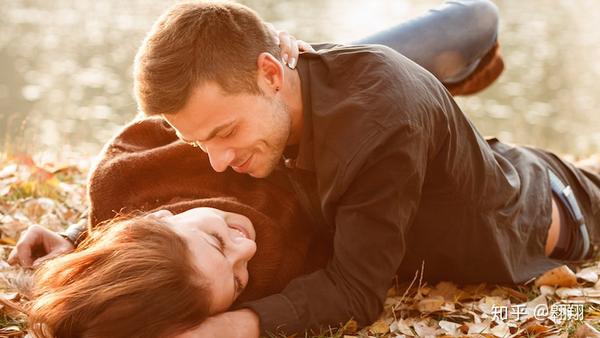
[372, 219]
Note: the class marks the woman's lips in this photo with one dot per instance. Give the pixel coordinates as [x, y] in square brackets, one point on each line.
[241, 229]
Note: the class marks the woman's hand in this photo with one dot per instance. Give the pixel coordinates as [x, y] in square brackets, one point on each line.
[37, 238]
[290, 46]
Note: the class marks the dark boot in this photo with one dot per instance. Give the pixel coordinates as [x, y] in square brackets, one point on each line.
[489, 69]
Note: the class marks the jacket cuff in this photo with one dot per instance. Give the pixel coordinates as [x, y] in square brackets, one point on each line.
[277, 315]
[75, 233]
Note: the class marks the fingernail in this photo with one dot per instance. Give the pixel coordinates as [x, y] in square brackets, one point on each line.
[292, 63]
[285, 58]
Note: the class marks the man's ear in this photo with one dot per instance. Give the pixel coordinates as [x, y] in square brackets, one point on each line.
[270, 71]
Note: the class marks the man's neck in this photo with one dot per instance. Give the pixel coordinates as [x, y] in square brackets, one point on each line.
[292, 96]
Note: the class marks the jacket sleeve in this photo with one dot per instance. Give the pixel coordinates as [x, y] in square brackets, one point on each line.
[380, 200]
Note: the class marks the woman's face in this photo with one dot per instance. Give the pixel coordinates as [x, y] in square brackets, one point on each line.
[221, 244]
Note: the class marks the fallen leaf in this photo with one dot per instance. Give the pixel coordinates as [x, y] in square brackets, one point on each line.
[547, 290]
[504, 292]
[585, 330]
[450, 328]
[379, 327]
[560, 276]
[501, 330]
[447, 290]
[588, 274]
[483, 327]
[569, 292]
[401, 326]
[430, 304]
[351, 327]
[536, 328]
[488, 304]
[423, 329]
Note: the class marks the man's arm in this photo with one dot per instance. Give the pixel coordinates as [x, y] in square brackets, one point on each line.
[233, 324]
[383, 187]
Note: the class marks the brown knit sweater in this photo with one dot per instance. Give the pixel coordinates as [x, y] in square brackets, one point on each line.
[145, 167]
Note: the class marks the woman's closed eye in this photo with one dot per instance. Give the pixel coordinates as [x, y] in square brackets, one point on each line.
[239, 287]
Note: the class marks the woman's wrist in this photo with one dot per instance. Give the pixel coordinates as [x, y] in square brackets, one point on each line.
[74, 233]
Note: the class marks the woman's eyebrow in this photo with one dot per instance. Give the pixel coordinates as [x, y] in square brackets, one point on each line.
[236, 287]
[217, 247]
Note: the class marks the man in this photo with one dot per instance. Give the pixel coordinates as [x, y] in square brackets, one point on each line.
[378, 152]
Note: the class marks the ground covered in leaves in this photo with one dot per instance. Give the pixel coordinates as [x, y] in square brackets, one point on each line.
[561, 303]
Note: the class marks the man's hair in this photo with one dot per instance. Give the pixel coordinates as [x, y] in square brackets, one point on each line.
[131, 278]
[196, 42]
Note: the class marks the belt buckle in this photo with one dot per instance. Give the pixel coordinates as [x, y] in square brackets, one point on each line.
[567, 198]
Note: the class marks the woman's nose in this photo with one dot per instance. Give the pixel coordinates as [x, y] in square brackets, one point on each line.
[242, 248]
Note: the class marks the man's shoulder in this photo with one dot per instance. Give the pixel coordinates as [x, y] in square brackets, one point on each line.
[374, 51]
[372, 56]
[362, 89]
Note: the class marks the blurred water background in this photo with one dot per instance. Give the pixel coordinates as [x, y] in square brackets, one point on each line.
[65, 67]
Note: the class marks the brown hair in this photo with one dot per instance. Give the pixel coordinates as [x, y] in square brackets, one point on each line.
[130, 278]
[195, 42]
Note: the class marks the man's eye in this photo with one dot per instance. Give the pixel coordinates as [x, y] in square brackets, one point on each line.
[229, 133]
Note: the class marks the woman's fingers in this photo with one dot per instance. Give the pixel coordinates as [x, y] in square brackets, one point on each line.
[21, 253]
[304, 46]
[285, 44]
[38, 237]
[289, 46]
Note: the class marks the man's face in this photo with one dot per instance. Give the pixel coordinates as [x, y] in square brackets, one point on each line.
[247, 132]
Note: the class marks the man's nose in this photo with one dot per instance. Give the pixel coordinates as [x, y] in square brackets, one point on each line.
[221, 158]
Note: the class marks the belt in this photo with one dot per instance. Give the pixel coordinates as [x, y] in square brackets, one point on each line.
[566, 196]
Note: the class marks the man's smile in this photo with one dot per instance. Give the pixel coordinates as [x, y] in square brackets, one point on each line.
[243, 167]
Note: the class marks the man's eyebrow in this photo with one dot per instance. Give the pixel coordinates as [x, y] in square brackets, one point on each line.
[212, 134]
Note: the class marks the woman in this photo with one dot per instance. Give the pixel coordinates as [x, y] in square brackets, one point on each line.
[150, 269]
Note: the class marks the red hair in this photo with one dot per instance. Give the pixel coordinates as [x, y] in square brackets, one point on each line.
[130, 278]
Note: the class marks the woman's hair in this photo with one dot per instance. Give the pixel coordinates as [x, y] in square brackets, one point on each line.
[132, 277]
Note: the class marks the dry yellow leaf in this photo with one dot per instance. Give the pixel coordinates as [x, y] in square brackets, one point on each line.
[561, 276]
[586, 331]
[430, 304]
[351, 327]
[379, 327]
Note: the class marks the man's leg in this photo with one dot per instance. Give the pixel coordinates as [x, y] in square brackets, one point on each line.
[455, 42]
